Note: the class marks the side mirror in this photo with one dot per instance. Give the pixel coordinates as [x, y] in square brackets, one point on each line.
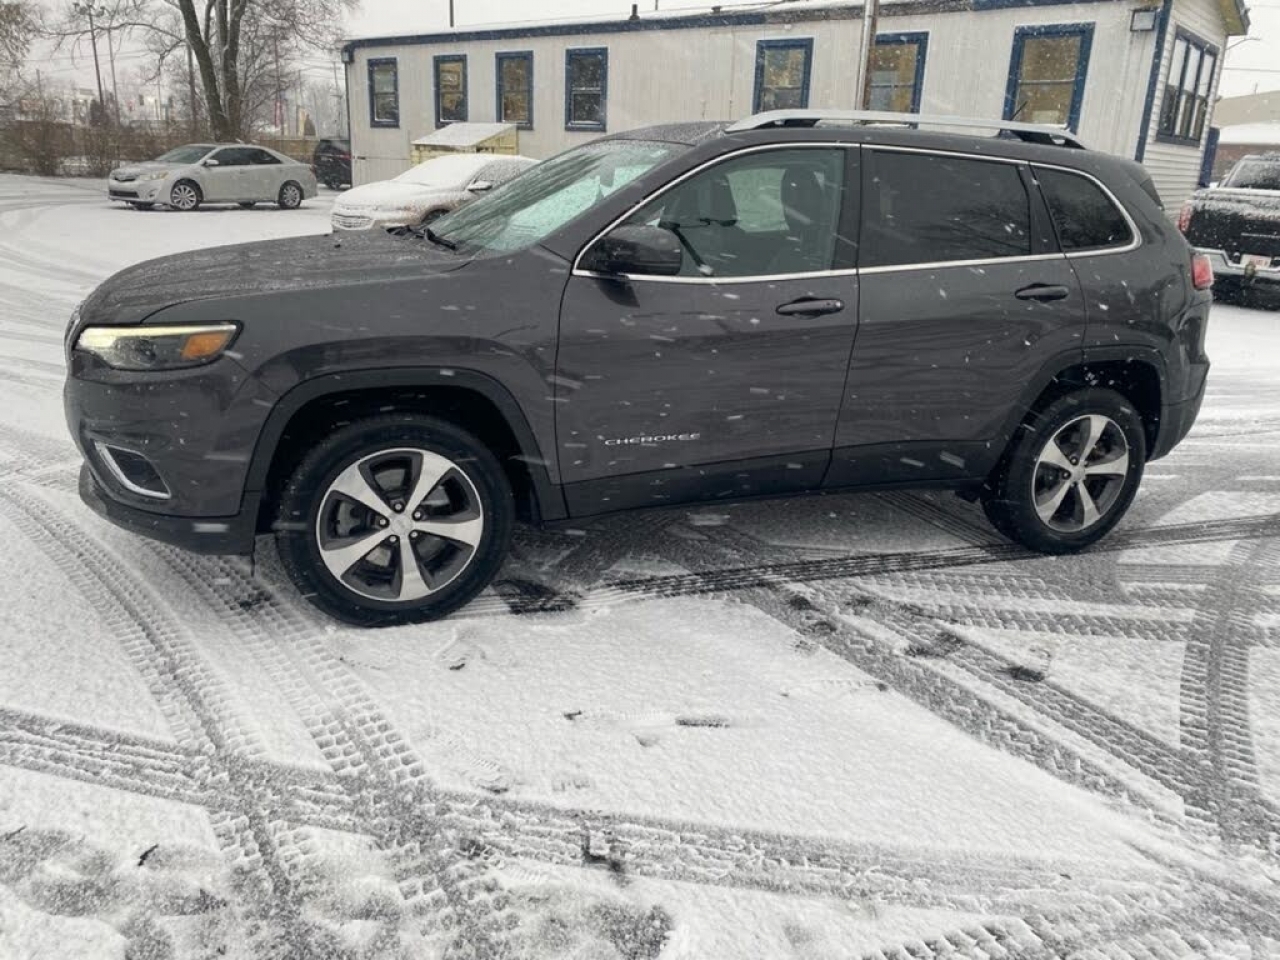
[209, 162]
[480, 186]
[643, 250]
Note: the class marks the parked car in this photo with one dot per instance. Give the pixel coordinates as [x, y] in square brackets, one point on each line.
[332, 162]
[658, 318]
[426, 192]
[1236, 224]
[199, 173]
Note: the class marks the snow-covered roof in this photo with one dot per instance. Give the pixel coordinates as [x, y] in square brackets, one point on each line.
[1262, 134]
[464, 134]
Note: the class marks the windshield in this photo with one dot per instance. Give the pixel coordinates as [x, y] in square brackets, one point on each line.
[444, 172]
[192, 153]
[549, 195]
[1255, 175]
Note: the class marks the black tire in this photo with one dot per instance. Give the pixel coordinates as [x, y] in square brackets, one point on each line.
[1010, 502]
[299, 523]
[248, 204]
[182, 200]
[142, 206]
[290, 196]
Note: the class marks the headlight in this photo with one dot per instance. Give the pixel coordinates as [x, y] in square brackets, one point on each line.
[157, 348]
[158, 175]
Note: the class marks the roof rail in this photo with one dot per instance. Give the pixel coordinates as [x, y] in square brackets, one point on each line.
[1027, 132]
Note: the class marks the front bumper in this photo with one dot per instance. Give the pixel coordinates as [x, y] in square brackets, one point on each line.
[1241, 273]
[135, 191]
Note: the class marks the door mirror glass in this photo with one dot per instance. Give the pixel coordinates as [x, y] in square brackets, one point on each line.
[642, 250]
[480, 186]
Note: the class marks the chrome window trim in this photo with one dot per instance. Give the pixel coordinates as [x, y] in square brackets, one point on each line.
[106, 456]
[940, 264]
[577, 270]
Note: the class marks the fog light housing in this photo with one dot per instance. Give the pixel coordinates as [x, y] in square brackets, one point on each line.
[133, 471]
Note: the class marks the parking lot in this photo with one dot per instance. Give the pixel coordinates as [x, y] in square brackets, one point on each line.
[844, 726]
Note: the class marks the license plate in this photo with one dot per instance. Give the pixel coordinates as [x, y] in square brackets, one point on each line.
[1255, 260]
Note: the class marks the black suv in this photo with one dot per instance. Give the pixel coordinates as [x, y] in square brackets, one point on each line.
[797, 303]
[332, 163]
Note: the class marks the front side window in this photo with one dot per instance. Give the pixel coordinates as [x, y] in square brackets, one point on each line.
[782, 74]
[515, 89]
[897, 71]
[586, 89]
[550, 194]
[1084, 217]
[384, 94]
[1186, 90]
[235, 156]
[921, 208]
[263, 159]
[1254, 175]
[775, 212]
[451, 90]
[1047, 74]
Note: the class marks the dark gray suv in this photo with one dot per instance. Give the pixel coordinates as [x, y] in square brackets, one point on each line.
[797, 303]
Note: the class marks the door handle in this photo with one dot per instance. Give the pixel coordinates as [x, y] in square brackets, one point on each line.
[1044, 292]
[810, 307]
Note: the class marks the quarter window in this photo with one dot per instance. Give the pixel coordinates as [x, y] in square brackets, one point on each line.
[384, 94]
[782, 74]
[515, 89]
[586, 89]
[1186, 90]
[451, 89]
[768, 213]
[897, 71]
[920, 208]
[1047, 73]
[1083, 215]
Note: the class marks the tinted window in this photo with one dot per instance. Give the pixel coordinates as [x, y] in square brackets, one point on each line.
[773, 212]
[261, 157]
[920, 208]
[1083, 215]
[234, 156]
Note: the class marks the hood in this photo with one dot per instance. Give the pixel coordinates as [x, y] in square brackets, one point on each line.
[270, 266]
[137, 169]
[389, 195]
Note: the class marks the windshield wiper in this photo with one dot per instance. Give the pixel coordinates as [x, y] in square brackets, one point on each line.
[438, 240]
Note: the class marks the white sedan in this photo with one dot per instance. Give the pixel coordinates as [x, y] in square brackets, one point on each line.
[425, 192]
[186, 177]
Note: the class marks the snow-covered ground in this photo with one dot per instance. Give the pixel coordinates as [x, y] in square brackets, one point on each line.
[829, 728]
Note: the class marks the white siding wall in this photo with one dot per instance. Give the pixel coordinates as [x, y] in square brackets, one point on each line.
[709, 73]
[1175, 168]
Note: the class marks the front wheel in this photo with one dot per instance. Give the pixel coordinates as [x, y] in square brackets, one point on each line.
[395, 519]
[185, 196]
[290, 197]
[1071, 473]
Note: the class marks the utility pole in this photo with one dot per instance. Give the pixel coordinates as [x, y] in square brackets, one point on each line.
[866, 52]
[89, 10]
[450, 14]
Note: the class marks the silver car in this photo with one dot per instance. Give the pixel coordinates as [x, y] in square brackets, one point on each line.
[186, 177]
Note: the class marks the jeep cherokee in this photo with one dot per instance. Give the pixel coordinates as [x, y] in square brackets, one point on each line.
[801, 302]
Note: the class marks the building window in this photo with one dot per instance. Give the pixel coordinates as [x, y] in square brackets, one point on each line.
[384, 94]
[897, 71]
[586, 89]
[782, 74]
[1186, 90]
[1047, 72]
[515, 89]
[451, 89]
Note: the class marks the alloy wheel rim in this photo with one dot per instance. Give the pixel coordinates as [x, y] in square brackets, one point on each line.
[1080, 474]
[183, 197]
[399, 525]
[291, 197]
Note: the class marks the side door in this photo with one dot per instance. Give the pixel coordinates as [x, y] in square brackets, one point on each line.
[724, 380]
[226, 180]
[965, 299]
[265, 175]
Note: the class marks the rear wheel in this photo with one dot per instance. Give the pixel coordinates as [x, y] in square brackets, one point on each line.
[395, 519]
[1071, 473]
[185, 196]
[290, 197]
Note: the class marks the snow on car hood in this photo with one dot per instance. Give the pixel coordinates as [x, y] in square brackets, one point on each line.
[270, 266]
[134, 170]
[389, 195]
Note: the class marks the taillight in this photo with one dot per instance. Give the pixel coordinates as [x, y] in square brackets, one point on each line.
[1201, 272]
[1184, 218]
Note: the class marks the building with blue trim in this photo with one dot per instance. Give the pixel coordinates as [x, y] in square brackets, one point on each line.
[1132, 77]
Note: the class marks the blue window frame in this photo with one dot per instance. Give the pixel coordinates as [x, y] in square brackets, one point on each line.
[384, 93]
[1185, 106]
[1047, 73]
[514, 72]
[783, 70]
[897, 71]
[450, 73]
[586, 88]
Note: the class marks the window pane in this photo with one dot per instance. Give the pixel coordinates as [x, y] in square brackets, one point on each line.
[927, 209]
[1050, 58]
[587, 72]
[586, 108]
[780, 75]
[515, 107]
[515, 74]
[893, 76]
[1084, 215]
[386, 106]
[783, 68]
[451, 91]
[770, 213]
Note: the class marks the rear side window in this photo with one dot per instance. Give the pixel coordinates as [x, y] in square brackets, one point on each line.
[921, 208]
[1084, 216]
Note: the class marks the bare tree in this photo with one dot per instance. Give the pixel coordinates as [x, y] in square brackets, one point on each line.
[17, 28]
